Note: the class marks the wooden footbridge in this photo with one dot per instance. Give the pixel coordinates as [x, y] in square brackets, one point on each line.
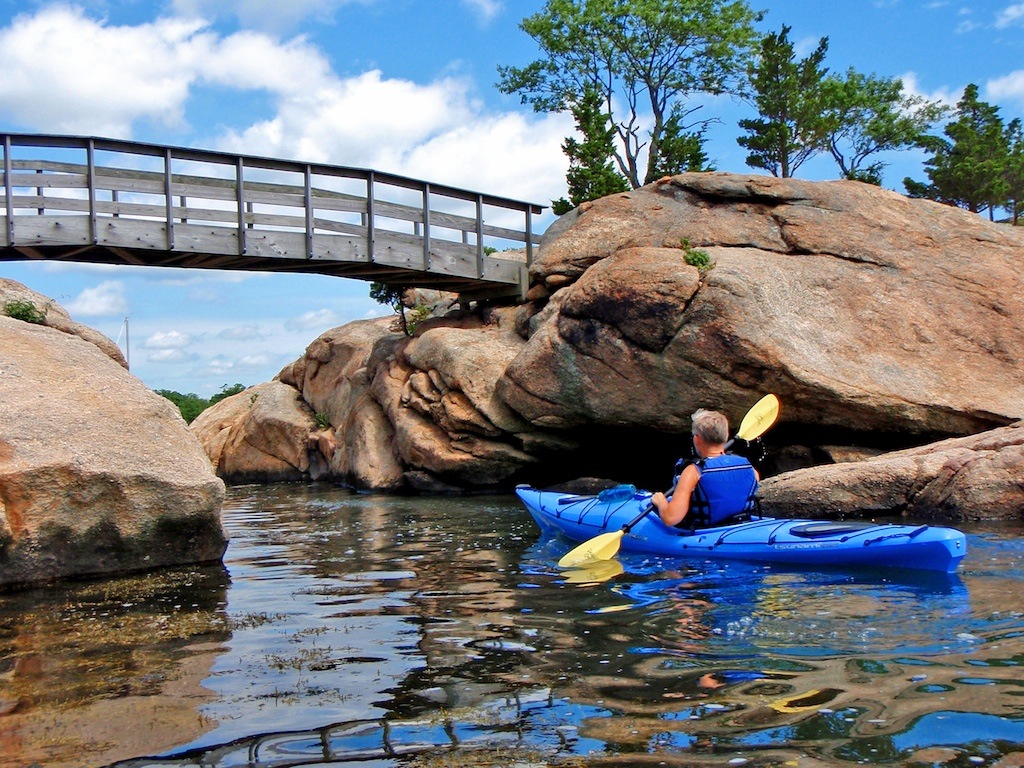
[117, 202]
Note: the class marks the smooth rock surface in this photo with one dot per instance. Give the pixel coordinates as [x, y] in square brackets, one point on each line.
[98, 474]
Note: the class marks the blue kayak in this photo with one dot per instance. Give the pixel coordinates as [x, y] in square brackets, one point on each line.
[760, 539]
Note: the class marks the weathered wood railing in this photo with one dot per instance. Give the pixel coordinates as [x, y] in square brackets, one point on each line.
[109, 201]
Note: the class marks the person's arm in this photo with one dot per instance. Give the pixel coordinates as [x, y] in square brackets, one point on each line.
[673, 511]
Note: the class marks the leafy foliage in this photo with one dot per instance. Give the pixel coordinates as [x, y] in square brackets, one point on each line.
[866, 115]
[804, 111]
[591, 174]
[789, 96]
[679, 149]
[191, 405]
[391, 295]
[645, 59]
[969, 164]
[695, 257]
[1014, 170]
[25, 311]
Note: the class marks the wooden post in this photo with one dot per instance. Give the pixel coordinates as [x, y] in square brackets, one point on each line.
[426, 227]
[8, 191]
[529, 235]
[169, 199]
[90, 154]
[308, 195]
[240, 187]
[369, 217]
[480, 236]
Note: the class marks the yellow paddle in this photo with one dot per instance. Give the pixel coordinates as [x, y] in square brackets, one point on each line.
[604, 546]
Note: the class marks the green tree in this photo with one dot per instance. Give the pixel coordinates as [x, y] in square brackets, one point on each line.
[191, 405]
[227, 391]
[968, 164]
[867, 115]
[646, 59]
[1014, 170]
[680, 149]
[391, 295]
[789, 95]
[591, 174]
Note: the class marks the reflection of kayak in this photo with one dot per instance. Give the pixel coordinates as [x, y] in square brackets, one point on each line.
[761, 539]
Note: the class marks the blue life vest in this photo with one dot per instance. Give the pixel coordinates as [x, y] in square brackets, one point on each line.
[725, 490]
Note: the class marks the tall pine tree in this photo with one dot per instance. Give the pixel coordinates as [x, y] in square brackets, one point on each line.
[1014, 170]
[788, 94]
[591, 174]
[967, 167]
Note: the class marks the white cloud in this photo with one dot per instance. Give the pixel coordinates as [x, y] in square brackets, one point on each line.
[96, 78]
[366, 120]
[319, 319]
[106, 299]
[218, 367]
[167, 356]
[1012, 15]
[249, 332]
[485, 9]
[99, 78]
[944, 95]
[167, 340]
[254, 361]
[268, 15]
[1010, 86]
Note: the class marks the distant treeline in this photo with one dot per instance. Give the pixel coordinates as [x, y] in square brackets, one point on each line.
[191, 405]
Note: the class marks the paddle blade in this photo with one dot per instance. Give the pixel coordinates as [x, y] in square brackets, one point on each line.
[760, 418]
[593, 572]
[602, 547]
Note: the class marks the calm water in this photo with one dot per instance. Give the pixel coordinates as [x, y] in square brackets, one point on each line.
[376, 631]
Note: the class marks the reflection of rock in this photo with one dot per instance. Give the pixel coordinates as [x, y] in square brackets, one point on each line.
[110, 670]
[98, 474]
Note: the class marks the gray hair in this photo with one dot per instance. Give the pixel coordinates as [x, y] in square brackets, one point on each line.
[712, 426]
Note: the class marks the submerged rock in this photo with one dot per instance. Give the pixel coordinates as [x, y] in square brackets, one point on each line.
[98, 474]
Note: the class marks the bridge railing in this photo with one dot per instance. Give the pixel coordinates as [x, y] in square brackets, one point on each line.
[222, 210]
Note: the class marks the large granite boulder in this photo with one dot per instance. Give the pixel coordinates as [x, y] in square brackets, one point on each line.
[260, 434]
[98, 474]
[53, 315]
[863, 309]
[381, 410]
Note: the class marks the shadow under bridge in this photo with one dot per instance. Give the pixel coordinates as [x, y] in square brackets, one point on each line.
[107, 201]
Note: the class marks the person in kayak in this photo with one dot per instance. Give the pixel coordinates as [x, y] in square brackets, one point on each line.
[717, 487]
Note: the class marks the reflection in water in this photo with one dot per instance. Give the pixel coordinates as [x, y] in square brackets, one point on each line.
[86, 669]
[432, 631]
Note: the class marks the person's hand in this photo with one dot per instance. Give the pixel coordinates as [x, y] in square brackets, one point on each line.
[658, 500]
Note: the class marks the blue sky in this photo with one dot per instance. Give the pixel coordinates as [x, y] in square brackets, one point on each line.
[405, 86]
